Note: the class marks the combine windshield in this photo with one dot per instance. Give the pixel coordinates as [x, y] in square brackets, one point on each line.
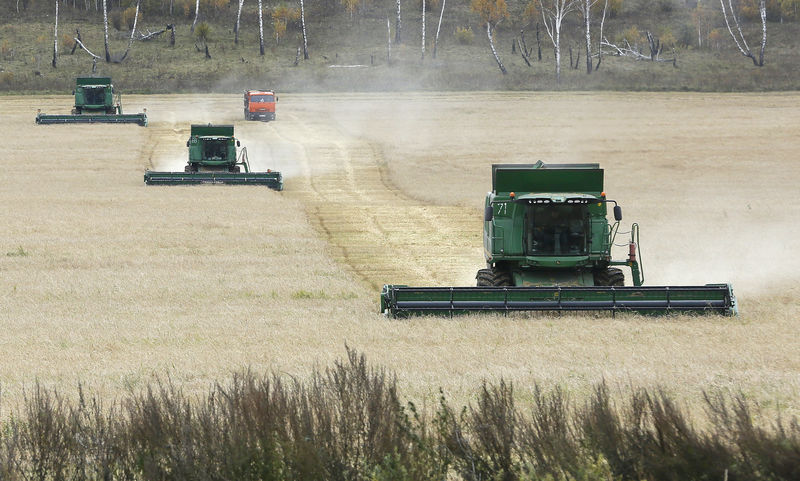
[556, 229]
[94, 95]
[215, 149]
[262, 98]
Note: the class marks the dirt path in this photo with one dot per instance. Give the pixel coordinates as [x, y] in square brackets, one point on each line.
[377, 231]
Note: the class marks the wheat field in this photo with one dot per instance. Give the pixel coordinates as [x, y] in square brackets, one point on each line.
[110, 283]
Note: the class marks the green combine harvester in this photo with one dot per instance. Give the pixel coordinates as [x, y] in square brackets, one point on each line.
[213, 160]
[95, 102]
[547, 244]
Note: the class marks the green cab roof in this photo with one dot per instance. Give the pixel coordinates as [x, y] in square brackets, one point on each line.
[81, 81]
[550, 179]
[210, 130]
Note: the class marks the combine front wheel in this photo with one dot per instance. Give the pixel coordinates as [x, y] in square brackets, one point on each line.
[609, 277]
[494, 278]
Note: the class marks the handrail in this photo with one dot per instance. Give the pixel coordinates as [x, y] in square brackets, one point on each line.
[243, 160]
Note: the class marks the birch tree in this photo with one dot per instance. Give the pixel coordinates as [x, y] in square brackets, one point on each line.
[738, 37]
[133, 31]
[55, 39]
[553, 13]
[105, 31]
[438, 29]
[423, 29]
[600, 40]
[196, 14]
[397, 25]
[585, 7]
[388, 41]
[491, 12]
[260, 29]
[236, 27]
[303, 24]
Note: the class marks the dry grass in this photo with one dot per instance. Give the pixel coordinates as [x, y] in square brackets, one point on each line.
[109, 282]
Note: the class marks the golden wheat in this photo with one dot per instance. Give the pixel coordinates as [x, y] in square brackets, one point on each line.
[110, 283]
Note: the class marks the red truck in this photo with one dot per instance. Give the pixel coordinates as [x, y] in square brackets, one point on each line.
[259, 105]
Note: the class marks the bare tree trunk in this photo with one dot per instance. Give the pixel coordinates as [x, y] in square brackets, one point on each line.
[587, 15]
[523, 53]
[494, 51]
[303, 23]
[438, 28]
[55, 39]
[18, 7]
[600, 41]
[105, 30]
[75, 44]
[171, 34]
[260, 29]
[236, 27]
[133, 31]
[388, 41]
[196, 13]
[762, 8]
[423, 29]
[397, 25]
[538, 43]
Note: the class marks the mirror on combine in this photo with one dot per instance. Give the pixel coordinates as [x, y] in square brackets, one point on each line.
[617, 213]
[488, 214]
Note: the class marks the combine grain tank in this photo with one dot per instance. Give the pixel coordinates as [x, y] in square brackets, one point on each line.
[96, 101]
[547, 244]
[213, 159]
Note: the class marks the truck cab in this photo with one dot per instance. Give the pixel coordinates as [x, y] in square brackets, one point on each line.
[259, 105]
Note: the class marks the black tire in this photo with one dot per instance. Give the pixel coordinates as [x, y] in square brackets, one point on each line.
[503, 279]
[609, 277]
[494, 278]
[485, 278]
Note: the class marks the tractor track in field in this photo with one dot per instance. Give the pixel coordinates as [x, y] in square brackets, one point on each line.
[381, 234]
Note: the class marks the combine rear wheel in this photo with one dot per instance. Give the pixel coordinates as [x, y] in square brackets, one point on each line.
[494, 278]
[609, 277]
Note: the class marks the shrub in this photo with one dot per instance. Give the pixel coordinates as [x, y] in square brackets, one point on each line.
[128, 15]
[67, 41]
[464, 35]
[203, 32]
[116, 20]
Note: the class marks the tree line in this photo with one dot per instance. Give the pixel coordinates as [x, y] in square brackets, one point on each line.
[741, 24]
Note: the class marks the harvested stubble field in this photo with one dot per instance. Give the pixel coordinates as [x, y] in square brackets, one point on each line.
[109, 283]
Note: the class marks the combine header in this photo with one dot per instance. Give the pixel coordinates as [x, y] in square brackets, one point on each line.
[95, 102]
[547, 244]
[213, 160]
